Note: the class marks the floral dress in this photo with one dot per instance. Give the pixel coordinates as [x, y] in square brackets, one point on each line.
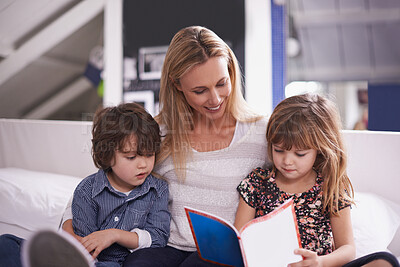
[263, 194]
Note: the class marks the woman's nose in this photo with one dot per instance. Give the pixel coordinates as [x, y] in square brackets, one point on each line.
[215, 98]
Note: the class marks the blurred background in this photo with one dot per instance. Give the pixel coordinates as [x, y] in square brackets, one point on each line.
[55, 55]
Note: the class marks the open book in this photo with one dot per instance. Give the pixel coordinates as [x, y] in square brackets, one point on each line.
[269, 240]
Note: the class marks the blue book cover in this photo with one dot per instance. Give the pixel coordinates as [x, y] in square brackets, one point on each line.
[264, 241]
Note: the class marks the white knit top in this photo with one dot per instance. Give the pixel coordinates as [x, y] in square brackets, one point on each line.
[211, 181]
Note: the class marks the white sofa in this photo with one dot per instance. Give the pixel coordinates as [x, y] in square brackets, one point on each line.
[41, 162]
[373, 161]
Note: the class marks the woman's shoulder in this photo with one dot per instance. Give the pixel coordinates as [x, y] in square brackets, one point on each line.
[259, 119]
[253, 131]
[258, 123]
[262, 123]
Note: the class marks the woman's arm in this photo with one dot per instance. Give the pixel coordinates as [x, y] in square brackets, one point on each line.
[244, 214]
[67, 227]
[66, 223]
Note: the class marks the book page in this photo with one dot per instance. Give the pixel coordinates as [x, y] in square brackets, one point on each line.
[271, 240]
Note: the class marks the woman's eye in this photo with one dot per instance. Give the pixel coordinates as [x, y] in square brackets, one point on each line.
[131, 158]
[221, 84]
[300, 155]
[199, 92]
[278, 150]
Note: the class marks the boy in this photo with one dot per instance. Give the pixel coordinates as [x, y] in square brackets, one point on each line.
[122, 207]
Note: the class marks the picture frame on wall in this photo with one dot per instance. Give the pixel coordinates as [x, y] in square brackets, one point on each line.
[144, 98]
[150, 63]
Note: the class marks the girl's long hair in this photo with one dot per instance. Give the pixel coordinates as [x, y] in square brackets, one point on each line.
[189, 47]
[311, 121]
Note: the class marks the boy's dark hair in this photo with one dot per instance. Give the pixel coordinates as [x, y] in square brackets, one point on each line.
[112, 128]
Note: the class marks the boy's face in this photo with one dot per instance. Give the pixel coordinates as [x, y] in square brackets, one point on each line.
[128, 168]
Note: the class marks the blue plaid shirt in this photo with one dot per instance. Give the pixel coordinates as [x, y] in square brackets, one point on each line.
[96, 206]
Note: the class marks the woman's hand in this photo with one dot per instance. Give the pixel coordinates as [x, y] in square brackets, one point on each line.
[310, 258]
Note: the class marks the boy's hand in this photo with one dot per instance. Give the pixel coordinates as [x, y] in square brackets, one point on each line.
[310, 258]
[97, 241]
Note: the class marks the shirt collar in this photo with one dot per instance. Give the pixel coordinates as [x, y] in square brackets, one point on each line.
[101, 182]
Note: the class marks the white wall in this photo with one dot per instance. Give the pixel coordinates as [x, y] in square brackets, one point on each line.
[113, 53]
[258, 55]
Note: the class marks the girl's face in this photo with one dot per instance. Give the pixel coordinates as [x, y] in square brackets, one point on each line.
[206, 88]
[128, 168]
[294, 163]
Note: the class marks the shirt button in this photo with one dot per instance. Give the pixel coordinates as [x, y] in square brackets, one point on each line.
[116, 219]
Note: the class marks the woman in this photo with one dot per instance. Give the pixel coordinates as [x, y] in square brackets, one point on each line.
[212, 139]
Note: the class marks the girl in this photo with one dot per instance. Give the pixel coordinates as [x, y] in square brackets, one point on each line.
[309, 165]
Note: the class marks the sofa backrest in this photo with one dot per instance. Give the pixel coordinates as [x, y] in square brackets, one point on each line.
[62, 147]
[374, 162]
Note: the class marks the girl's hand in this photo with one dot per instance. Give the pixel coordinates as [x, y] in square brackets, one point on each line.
[96, 242]
[310, 258]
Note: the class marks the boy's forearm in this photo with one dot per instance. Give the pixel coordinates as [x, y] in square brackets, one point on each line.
[130, 240]
[126, 239]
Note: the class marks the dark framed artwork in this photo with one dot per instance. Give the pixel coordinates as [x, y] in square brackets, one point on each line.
[150, 62]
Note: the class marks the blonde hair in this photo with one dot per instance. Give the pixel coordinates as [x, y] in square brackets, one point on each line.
[311, 121]
[190, 47]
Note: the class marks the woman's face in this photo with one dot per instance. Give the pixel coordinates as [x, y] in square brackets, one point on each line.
[206, 88]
